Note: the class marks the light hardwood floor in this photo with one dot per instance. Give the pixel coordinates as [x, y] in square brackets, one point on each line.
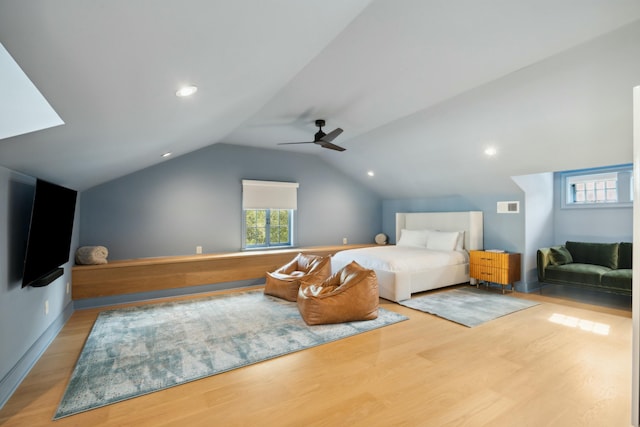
[520, 370]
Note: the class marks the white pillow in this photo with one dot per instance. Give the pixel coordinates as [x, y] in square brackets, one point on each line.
[413, 238]
[460, 242]
[442, 240]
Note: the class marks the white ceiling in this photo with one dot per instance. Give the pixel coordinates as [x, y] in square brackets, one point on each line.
[420, 87]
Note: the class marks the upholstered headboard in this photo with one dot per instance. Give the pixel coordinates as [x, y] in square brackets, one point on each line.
[471, 222]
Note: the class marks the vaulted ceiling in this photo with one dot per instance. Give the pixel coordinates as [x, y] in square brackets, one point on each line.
[420, 87]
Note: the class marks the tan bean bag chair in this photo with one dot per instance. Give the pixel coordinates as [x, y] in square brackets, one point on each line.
[285, 281]
[348, 295]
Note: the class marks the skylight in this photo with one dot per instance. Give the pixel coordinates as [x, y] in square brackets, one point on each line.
[23, 109]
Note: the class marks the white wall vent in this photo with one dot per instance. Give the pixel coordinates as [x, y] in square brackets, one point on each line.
[509, 207]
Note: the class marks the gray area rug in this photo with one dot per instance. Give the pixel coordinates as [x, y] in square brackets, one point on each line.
[468, 306]
[139, 350]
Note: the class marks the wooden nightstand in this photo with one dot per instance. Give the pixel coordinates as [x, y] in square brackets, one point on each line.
[495, 267]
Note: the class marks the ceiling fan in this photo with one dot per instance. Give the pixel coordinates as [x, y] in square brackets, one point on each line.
[321, 138]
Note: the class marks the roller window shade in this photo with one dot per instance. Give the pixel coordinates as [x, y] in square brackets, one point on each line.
[269, 195]
[613, 176]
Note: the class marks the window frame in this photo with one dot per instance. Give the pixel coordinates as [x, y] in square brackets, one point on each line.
[624, 186]
[268, 245]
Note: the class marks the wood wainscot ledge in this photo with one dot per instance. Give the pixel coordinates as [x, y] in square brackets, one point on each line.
[153, 274]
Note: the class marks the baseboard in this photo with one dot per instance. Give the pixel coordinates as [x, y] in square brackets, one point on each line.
[528, 288]
[16, 375]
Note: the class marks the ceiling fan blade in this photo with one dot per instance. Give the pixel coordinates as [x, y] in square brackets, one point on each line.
[331, 135]
[330, 146]
[321, 138]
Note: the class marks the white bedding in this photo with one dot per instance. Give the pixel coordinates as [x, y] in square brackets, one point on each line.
[404, 269]
[400, 258]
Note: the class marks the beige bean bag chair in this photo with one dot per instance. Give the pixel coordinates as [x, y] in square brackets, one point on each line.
[285, 281]
[348, 295]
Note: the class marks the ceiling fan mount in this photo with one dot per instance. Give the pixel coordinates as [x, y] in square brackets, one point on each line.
[318, 135]
[321, 138]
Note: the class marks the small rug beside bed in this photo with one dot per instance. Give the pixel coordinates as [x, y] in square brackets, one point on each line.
[468, 306]
[139, 350]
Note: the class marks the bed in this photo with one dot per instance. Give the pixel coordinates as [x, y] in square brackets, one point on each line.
[432, 251]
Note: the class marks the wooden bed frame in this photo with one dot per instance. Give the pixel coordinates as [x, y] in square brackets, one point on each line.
[398, 286]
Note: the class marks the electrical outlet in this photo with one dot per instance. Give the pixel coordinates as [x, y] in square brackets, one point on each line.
[46, 307]
[344, 240]
[68, 288]
[198, 249]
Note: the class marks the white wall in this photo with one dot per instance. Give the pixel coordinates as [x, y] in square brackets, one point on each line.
[538, 220]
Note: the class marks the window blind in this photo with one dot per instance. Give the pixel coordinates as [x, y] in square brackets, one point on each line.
[611, 176]
[269, 195]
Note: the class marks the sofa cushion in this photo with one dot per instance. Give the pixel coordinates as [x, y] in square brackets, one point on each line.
[618, 280]
[625, 255]
[560, 255]
[604, 254]
[588, 274]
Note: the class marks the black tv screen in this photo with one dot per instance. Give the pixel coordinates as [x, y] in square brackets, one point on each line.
[50, 231]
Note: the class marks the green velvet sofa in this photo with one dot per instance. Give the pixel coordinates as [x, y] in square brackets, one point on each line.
[601, 266]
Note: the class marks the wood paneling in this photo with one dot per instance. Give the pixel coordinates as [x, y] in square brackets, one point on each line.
[152, 274]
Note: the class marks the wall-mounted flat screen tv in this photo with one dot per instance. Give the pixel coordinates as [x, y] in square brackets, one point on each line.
[50, 231]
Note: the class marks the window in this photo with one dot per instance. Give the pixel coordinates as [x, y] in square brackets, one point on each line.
[604, 187]
[268, 209]
[268, 227]
[601, 188]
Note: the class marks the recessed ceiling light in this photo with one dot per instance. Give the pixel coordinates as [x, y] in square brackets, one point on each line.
[167, 154]
[186, 91]
[370, 173]
[490, 151]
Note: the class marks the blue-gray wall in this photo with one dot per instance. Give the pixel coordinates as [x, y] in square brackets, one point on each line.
[501, 231]
[541, 222]
[603, 225]
[196, 200]
[25, 329]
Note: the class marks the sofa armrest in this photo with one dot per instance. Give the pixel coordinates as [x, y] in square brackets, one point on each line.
[543, 258]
